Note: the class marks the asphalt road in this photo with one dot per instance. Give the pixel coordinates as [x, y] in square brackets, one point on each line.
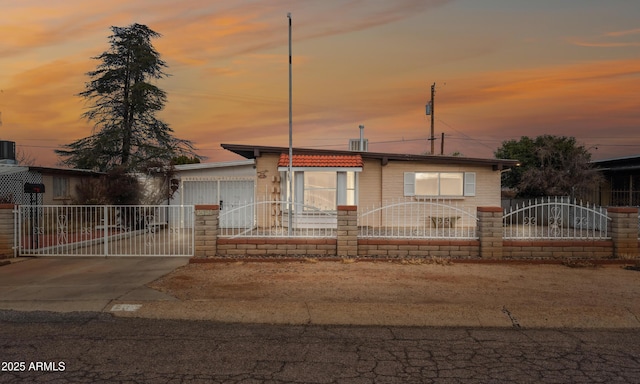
[92, 347]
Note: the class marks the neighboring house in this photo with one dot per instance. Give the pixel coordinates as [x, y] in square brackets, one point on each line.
[59, 184]
[323, 179]
[621, 185]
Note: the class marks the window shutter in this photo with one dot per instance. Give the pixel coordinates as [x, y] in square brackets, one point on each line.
[409, 184]
[298, 193]
[469, 183]
[341, 186]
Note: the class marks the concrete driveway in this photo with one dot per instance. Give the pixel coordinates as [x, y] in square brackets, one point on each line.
[81, 284]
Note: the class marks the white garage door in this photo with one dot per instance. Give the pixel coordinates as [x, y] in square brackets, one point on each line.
[231, 194]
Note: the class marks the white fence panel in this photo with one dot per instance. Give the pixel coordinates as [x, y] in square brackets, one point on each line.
[555, 218]
[428, 218]
[80, 230]
[271, 219]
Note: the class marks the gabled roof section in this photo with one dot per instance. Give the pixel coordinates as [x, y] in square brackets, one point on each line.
[324, 161]
[253, 151]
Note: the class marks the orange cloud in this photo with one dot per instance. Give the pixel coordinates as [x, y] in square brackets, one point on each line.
[607, 43]
[624, 33]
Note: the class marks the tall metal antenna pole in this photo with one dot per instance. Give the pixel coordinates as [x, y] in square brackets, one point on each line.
[290, 176]
[433, 109]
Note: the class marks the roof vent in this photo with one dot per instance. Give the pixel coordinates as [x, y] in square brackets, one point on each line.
[354, 145]
[361, 144]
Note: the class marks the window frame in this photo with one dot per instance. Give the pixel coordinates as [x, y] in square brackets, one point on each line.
[346, 187]
[61, 187]
[468, 184]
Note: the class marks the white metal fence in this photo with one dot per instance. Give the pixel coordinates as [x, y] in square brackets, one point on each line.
[80, 230]
[555, 218]
[408, 218]
[12, 188]
[271, 219]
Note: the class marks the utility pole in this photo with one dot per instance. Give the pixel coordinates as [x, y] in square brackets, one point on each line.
[430, 111]
[290, 175]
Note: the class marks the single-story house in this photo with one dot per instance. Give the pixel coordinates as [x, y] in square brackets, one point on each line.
[59, 184]
[324, 179]
[621, 185]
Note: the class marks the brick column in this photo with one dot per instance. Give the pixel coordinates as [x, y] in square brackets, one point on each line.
[347, 245]
[206, 230]
[624, 232]
[490, 232]
[7, 231]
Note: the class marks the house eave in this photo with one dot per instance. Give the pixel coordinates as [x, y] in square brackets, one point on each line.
[65, 171]
[223, 164]
[253, 151]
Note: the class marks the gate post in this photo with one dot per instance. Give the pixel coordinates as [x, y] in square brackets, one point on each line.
[206, 230]
[8, 224]
[490, 232]
[347, 231]
[624, 232]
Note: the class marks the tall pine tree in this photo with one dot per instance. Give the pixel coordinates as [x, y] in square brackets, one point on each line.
[123, 105]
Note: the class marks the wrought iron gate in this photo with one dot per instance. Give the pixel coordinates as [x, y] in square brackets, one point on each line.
[83, 230]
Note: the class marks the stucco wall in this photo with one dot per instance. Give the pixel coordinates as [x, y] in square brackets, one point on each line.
[370, 183]
[268, 180]
[378, 183]
[487, 181]
[49, 197]
[268, 187]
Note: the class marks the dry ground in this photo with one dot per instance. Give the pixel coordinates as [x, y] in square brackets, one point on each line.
[486, 285]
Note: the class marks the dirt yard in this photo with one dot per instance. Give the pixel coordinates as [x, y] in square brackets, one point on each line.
[489, 285]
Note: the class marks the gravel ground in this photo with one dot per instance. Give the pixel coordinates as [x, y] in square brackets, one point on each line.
[545, 294]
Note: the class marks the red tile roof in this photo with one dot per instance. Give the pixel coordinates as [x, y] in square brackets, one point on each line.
[333, 161]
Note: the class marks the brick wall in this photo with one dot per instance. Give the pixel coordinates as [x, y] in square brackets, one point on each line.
[624, 232]
[557, 249]
[271, 247]
[347, 233]
[490, 232]
[6, 231]
[206, 230]
[490, 245]
[413, 248]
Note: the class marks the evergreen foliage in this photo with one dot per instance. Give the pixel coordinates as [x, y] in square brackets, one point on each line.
[124, 102]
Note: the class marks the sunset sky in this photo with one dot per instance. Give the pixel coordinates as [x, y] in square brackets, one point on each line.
[503, 69]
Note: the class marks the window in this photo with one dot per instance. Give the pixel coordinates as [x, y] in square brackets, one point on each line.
[351, 188]
[60, 187]
[439, 184]
[322, 190]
